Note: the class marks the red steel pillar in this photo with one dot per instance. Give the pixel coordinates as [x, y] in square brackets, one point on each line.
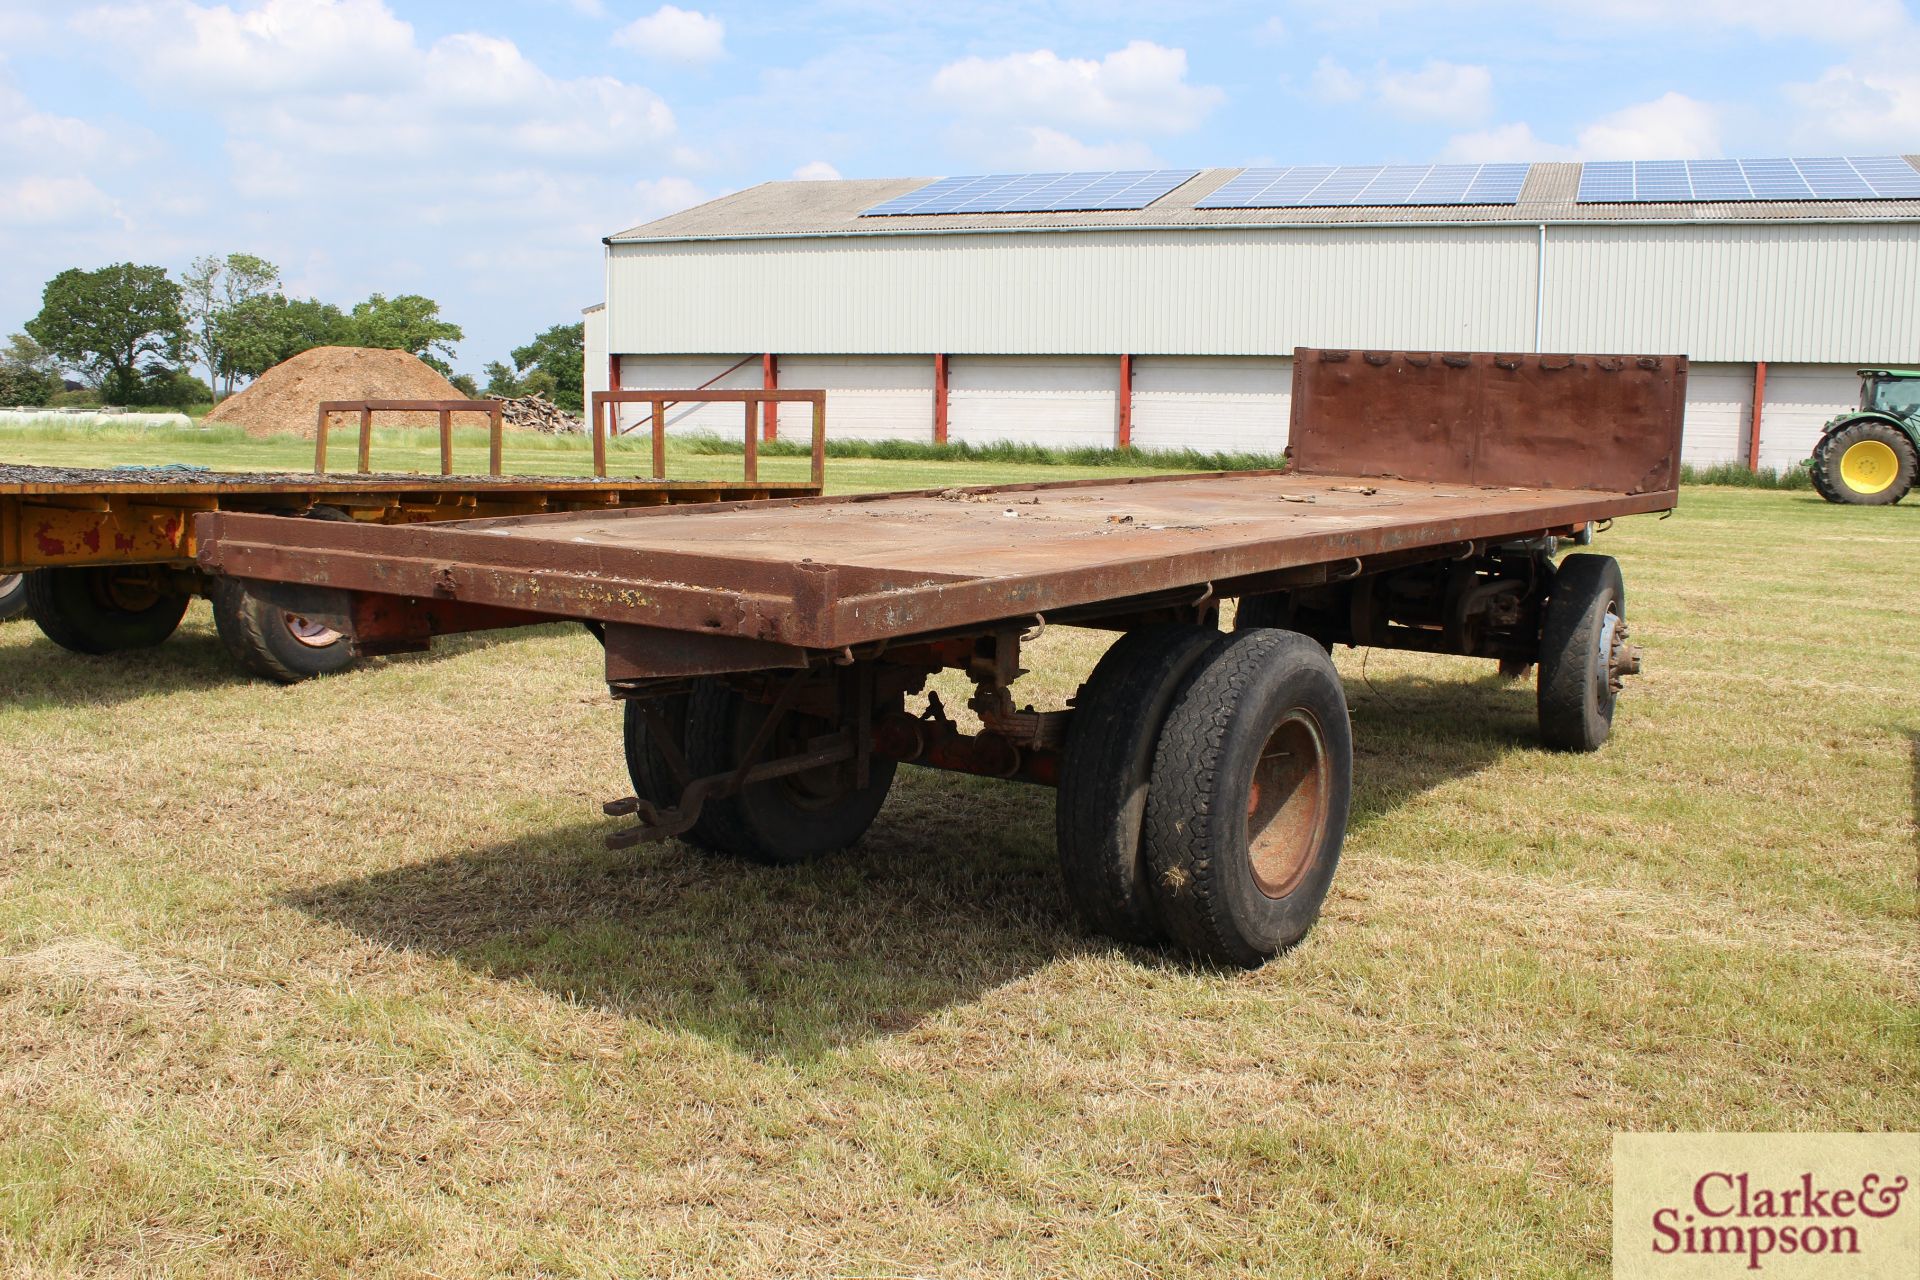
[1759, 402]
[613, 384]
[770, 380]
[1125, 422]
[940, 399]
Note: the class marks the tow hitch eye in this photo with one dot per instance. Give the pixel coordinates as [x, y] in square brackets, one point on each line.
[1623, 659]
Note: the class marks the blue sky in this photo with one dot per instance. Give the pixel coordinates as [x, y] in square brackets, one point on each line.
[477, 152]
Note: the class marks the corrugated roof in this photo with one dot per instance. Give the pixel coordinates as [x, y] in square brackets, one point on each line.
[779, 209]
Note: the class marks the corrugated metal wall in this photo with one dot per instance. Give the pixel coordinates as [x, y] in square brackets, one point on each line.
[1843, 293]
[1192, 293]
[1805, 292]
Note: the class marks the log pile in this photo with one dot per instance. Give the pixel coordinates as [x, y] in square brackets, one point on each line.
[537, 413]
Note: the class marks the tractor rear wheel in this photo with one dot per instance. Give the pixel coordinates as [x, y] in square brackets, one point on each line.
[1867, 464]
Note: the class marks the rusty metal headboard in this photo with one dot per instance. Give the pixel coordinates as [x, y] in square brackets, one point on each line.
[1538, 421]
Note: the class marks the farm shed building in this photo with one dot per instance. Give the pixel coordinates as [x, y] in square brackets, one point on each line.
[1169, 326]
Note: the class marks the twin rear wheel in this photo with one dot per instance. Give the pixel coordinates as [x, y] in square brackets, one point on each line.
[1204, 797]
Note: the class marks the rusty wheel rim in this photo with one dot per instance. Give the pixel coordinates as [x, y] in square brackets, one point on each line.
[1287, 804]
[128, 591]
[310, 633]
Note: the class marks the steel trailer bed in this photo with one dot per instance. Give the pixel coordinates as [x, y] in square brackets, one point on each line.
[765, 648]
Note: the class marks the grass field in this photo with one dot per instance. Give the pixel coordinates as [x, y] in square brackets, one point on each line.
[339, 978]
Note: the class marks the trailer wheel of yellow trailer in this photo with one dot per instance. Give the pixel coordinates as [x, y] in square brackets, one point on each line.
[13, 595]
[105, 609]
[271, 642]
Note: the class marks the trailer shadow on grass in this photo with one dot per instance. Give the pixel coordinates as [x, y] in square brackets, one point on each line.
[951, 894]
[39, 673]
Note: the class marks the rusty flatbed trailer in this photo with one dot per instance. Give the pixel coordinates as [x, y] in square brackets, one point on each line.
[105, 559]
[765, 650]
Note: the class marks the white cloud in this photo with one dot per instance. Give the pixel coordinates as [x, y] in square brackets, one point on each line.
[675, 34]
[1333, 83]
[281, 47]
[1504, 142]
[1272, 31]
[1142, 88]
[1869, 103]
[658, 197]
[1840, 21]
[817, 171]
[307, 85]
[1440, 91]
[1670, 127]
[1037, 148]
[51, 201]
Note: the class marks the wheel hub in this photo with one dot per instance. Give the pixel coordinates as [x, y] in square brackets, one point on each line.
[1618, 659]
[312, 634]
[1869, 466]
[1287, 804]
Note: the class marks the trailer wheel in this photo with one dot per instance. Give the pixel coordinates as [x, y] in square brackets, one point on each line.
[1104, 777]
[104, 609]
[1582, 644]
[1247, 809]
[782, 821]
[647, 765]
[271, 642]
[13, 595]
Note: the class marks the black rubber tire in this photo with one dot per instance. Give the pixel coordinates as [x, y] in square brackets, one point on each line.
[1830, 481]
[259, 636]
[75, 608]
[646, 765]
[13, 595]
[1274, 609]
[1255, 687]
[780, 822]
[1818, 475]
[1576, 705]
[1107, 768]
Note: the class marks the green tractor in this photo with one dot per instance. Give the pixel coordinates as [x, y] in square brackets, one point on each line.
[1868, 457]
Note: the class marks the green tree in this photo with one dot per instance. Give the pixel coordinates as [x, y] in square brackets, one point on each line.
[27, 375]
[106, 322]
[260, 332]
[553, 365]
[212, 287]
[500, 379]
[465, 385]
[406, 323]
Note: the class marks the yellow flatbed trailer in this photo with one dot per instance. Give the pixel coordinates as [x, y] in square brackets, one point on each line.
[103, 560]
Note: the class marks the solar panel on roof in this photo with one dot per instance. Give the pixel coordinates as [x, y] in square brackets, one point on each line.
[1801, 178]
[1320, 186]
[1036, 192]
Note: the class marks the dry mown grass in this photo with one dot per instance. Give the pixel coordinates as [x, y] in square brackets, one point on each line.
[336, 977]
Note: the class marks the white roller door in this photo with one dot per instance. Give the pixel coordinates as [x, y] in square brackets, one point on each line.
[1033, 400]
[1800, 399]
[1719, 409]
[868, 397]
[684, 373]
[1212, 405]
